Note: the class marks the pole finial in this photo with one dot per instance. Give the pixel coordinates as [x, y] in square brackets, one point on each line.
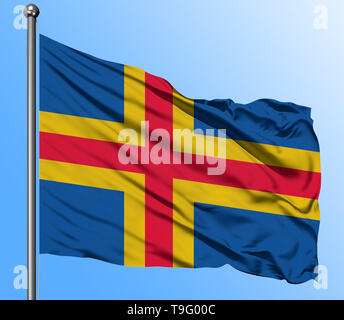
[31, 10]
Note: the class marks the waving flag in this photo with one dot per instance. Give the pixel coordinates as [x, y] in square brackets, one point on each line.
[134, 173]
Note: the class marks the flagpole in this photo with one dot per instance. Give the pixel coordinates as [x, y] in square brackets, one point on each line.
[31, 12]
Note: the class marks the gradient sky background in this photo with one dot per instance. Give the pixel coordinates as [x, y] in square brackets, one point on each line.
[243, 50]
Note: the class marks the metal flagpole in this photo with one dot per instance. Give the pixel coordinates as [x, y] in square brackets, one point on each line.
[31, 12]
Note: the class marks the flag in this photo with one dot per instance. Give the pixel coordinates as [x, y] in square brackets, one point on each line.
[134, 173]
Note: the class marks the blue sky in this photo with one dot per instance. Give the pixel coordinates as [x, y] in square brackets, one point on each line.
[243, 50]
